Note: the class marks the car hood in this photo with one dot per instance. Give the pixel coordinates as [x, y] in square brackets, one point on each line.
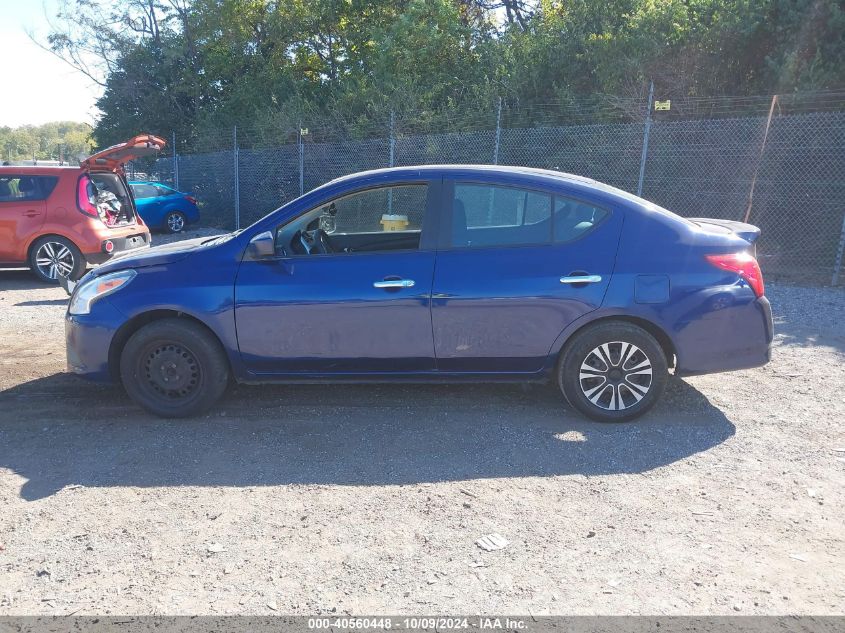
[155, 256]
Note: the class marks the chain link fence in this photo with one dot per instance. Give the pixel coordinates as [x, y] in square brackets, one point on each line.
[784, 172]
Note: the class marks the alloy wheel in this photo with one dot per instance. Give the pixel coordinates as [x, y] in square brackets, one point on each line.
[615, 376]
[54, 260]
[175, 222]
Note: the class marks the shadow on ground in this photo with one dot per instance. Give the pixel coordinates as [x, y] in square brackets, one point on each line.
[808, 316]
[22, 279]
[59, 430]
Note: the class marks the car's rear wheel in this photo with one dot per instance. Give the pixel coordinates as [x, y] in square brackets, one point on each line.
[613, 371]
[174, 222]
[52, 257]
[174, 368]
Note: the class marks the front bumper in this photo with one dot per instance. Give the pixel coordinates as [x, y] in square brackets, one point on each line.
[88, 339]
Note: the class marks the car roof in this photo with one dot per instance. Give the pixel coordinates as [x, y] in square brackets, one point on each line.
[512, 173]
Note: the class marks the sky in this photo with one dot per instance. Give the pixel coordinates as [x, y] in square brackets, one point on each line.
[39, 87]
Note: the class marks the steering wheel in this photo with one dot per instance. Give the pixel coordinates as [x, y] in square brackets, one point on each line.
[315, 240]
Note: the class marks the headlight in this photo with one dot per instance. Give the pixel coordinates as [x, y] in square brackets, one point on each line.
[93, 289]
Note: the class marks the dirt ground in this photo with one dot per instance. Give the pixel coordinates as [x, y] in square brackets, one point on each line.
[728, 498]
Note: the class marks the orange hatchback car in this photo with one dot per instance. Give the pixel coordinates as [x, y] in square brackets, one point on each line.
[56, 220]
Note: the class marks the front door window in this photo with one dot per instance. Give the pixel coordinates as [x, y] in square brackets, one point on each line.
[374, 220]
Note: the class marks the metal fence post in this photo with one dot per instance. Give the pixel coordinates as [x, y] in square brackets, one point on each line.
[645, 140]
[498, 133]
[391, 160]
[392, 138]
[840, 252]
[175, 164]
[747, 215]
[301, 163]
[237, 179]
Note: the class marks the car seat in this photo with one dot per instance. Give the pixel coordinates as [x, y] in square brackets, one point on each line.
[27, 187]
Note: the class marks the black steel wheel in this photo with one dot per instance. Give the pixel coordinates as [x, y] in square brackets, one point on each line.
[174, 368]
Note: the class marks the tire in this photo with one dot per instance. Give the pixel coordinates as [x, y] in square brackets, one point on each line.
[174, 222]
[174, 368]
[628, 390]
[52, 256]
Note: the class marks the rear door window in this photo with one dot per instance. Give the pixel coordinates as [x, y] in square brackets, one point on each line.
[493, 215]
[490, 215]
[20, 187]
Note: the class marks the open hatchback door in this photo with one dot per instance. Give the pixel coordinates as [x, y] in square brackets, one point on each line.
[113, 158]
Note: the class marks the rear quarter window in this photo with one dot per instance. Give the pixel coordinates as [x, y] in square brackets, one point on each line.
[574, 218]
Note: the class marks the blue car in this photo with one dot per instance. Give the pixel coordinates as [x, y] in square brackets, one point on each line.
[436, 273]
[164, 208]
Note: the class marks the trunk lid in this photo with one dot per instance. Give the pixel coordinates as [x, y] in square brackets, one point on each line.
[113, 158]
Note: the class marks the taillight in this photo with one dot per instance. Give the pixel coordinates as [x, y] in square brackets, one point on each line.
[191, 199]
[743, 264]
[85, 197]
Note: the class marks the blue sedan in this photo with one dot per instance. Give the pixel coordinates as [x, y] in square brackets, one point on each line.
[163, 207]
[436, 273]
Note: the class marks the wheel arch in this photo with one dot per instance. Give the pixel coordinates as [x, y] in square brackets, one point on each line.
[665, 341]
[123, 334]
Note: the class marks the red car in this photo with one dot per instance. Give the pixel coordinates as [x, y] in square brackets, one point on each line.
[56, 220]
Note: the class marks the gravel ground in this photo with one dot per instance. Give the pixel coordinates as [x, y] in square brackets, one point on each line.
[726, 498]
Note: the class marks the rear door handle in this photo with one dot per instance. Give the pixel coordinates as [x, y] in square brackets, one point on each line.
[394, 283]
[581, 279]
[31, 213]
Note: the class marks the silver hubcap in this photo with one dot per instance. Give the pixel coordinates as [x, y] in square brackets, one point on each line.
[54, 260]
[175, 222]
[615, 376]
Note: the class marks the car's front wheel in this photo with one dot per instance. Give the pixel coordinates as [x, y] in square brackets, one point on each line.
[52, 257]
[174, 368]
[174, 222]
[613, 371]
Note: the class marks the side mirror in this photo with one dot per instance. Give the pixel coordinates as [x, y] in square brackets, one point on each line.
[262, 245]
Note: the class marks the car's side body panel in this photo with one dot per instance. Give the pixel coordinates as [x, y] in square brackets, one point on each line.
[294, 316]
[19, 221]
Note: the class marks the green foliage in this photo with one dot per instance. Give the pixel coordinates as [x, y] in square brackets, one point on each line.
[46, 142]
[199, 67]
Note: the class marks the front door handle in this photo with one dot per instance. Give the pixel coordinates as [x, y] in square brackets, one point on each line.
[394, 283]
[581, 279]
